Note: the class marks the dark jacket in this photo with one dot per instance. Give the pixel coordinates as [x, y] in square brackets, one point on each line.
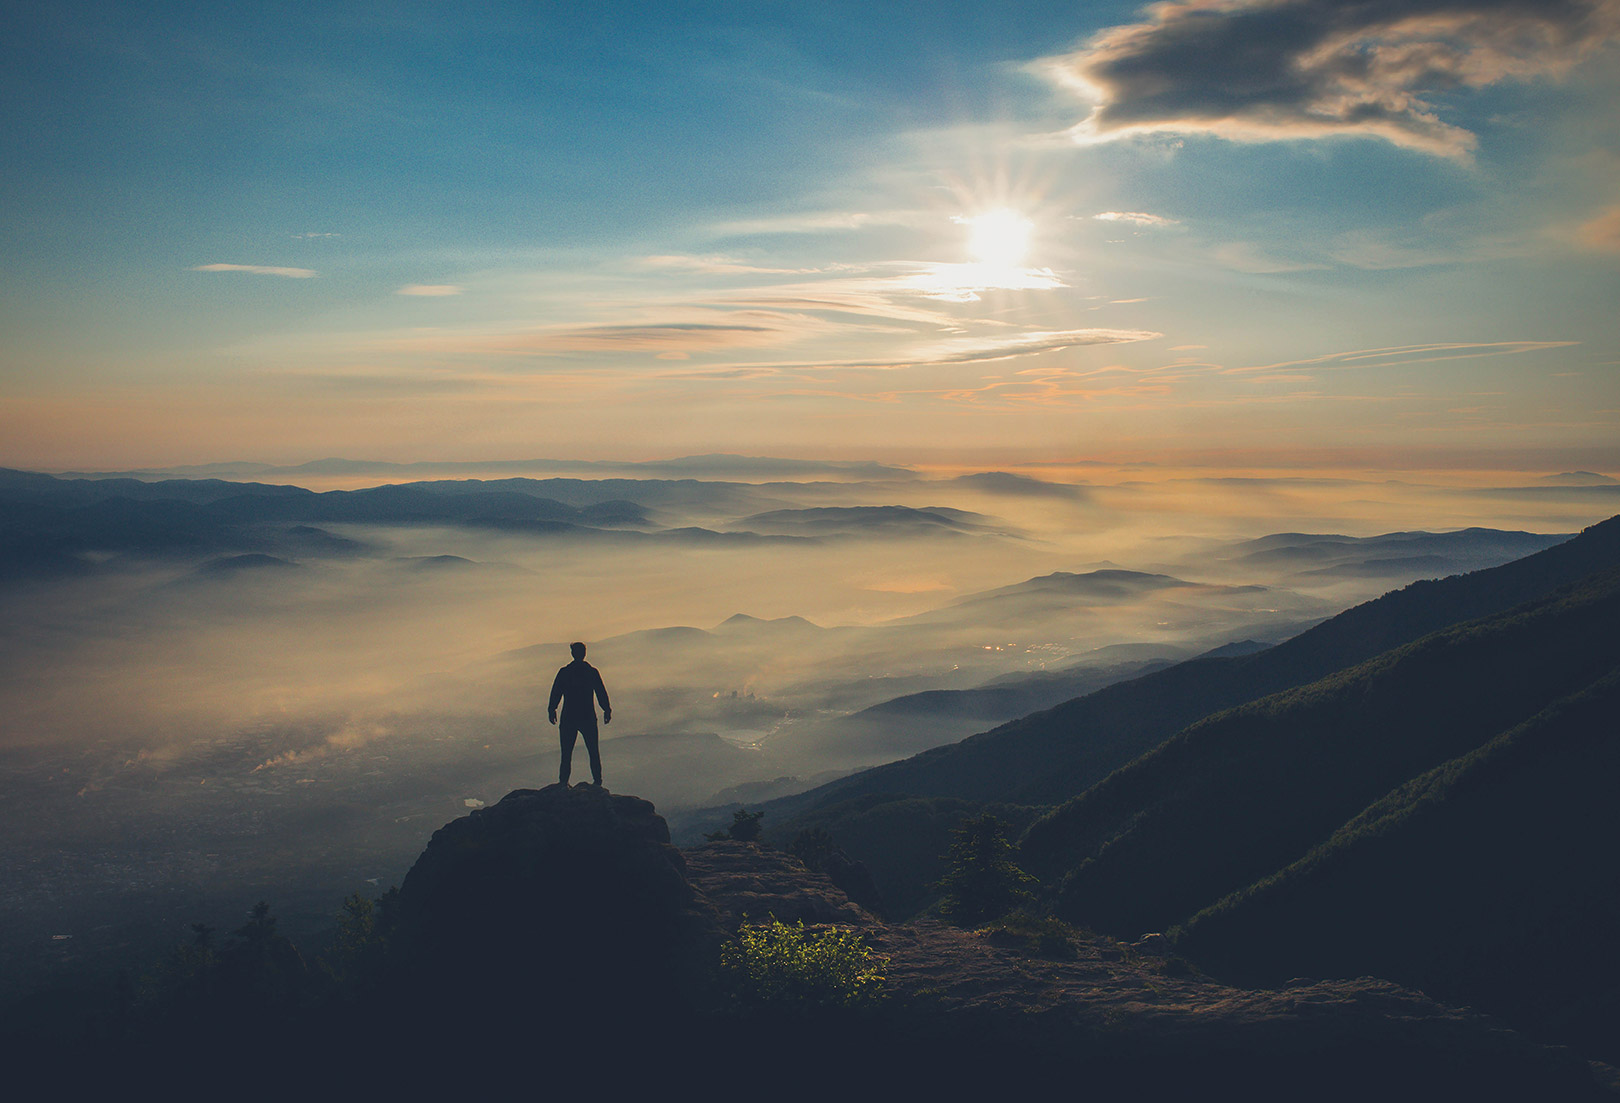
[576, 683]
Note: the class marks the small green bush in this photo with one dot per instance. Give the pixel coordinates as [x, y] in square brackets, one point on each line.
[785, 966]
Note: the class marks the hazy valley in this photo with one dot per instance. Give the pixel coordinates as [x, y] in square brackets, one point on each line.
[218, 690]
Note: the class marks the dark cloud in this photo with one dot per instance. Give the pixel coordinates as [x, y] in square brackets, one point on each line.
[1256, 70]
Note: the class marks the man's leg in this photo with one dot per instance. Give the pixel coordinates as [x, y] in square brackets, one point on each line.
[566, 732]
[590, 748]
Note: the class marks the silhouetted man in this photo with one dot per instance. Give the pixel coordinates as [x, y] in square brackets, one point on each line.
[576, 685]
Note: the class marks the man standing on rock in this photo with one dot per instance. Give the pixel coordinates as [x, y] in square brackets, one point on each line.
[576, 685]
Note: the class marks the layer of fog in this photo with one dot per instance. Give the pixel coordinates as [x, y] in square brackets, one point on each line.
[314, 714]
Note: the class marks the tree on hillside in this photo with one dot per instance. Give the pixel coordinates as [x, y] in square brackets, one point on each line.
[744, 827]
[982, 883]
[259, 965]
[359, 951]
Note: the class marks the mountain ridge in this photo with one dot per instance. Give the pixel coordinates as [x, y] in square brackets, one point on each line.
[1298, 764]
[1058, 752]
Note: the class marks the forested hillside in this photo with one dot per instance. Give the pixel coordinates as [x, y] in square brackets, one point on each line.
[1248, 791]
[1491, 879]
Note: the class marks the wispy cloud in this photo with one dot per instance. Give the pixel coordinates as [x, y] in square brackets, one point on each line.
[896, 292]
[729, 329]
[950, 351]
[1046, 387]
[787, 322]
[430, 290]
[1057, 386]
[719, 266]
[1264, 70]
[1407, 354]
[260, 270]
[963, 283]
[976, 350]
[873, 298]
[1244, 256]
[812, 222]
[1136, 218]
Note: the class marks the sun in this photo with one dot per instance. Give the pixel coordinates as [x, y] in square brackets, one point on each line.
[998, 246]
[999, 238]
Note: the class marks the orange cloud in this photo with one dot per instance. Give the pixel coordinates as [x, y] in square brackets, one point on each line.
[260, 270]
[1601, 234]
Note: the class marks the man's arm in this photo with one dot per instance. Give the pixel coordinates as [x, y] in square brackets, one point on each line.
[601, 695]
[556, 695]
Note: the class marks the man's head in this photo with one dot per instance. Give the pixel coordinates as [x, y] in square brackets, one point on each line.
[577, 650]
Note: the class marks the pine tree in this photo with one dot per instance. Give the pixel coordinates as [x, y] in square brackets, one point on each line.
[982, 883]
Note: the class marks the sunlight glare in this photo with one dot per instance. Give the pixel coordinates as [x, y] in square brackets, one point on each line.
[998, 238]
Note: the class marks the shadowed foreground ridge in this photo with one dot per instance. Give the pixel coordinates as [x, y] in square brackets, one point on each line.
[557, 941]
[583, 936]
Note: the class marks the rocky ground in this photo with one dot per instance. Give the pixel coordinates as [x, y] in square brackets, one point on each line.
[1131, 1003]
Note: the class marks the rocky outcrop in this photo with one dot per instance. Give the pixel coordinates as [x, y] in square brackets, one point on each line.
[555, 887]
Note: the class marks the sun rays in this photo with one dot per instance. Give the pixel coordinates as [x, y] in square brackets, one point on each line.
[998, 238]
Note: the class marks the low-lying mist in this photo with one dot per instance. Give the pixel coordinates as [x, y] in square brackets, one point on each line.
[294, 690]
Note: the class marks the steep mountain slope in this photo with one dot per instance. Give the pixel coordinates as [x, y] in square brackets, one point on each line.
[1248, 791]
[1492, 878]
[1053, 755]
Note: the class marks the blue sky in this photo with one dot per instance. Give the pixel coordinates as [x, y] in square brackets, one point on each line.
[408, 232]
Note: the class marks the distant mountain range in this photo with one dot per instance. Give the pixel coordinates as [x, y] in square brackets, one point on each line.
[1052, 755]
[57, 527]
[1392, 555]
[1007, 483]
[1579, 478]
[868, 520]
[684, 466]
